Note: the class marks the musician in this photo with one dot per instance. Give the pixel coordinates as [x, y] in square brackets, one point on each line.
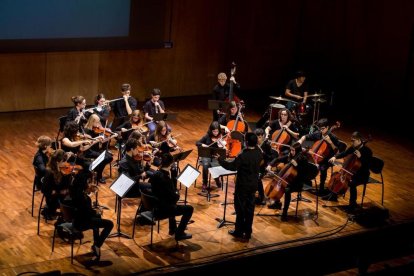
[85, 217]
[247, 165]
[221, 91]
[55, 184]
[361, 176]
[102, 109]
[123, 107]
[285, 121]
[213, 138]
[41, 158]
[323, 133]
[297, 159]
[153, 106]
[77, 112]
[268, 155]
[164, 189]
[94, 129]
[232, 113]
[135, 123]
[297, 89]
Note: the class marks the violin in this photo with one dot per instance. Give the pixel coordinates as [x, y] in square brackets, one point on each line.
[219, 139]
[100, 129]
[145, 153]
[67, 168]
[322, 149]
[140, 127]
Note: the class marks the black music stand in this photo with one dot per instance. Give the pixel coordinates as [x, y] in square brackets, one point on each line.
[92, 167]
[121, 186]
[209, 152]
[164, 117]
[179, 157]
[214, 105]
[188, 177]
[223, 221]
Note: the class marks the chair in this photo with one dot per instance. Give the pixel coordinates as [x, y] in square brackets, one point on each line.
[66, 226]
[37, 184]
[150, 203]
[375, 168]
[62, 123]
[311, 173]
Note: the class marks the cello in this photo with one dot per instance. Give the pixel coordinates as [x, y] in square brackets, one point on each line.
[339, 182]
[321, 149]
[233, 142]
[279, 138]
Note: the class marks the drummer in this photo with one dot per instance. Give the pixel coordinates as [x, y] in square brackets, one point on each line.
[297, 90]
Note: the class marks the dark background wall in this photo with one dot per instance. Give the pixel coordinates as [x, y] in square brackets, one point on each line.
[363, 51]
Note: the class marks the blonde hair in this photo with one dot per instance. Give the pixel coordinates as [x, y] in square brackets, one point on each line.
[222, 76]
[93, 118]
[136, 112]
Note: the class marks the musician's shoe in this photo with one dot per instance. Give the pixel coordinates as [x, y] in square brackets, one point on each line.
[96, 252]
[204, 188]
[284, 217]
[182, 236]
[275, 205]
[331, 197]
[247, 236]
[235, 234]
[259, 201]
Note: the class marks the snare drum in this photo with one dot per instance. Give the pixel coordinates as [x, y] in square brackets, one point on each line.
[274, 111]
[302, 109]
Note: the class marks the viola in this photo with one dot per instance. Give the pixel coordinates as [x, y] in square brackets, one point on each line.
[339, 181]
[68, 168]
[321, 150]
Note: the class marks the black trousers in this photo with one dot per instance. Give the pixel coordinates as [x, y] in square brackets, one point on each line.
[95, 223]
[244, 206]
[186, 211]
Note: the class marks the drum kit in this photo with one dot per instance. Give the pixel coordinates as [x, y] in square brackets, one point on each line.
[299, 109]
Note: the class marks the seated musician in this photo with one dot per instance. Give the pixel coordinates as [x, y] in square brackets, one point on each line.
[41, 159]
[213, 138]
[77, 114]
[56, 183]
[322, 134]
[164, 189]
[284, 124]
[361, 176]
[231, 115]
[221, 91]
[153, 106]
[268, 155]
[294, 158]
[136, 122]
[297, 89]
[94, 129]
[102, 109]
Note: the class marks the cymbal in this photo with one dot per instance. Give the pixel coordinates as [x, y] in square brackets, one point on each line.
[316, 95]
[279, 98]
[319, 100]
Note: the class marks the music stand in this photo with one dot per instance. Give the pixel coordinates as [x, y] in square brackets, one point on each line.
[218, 172]
[188, 177]
[121, 186]
[92, 167]
[179, 157]
[164, 117]
[215, 105]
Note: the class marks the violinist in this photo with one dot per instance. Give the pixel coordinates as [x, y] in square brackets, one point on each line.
[77, 112]
[247, 165]
[55, 183]
[123, 107]
[361, 176]
[295, 158]
[325, 135]
[135, 123]
[153, 106]
[221, 91]
[268, 155]
[213, 138]
[283, 131]
[94, 128]
[41, 158]
[297, 89]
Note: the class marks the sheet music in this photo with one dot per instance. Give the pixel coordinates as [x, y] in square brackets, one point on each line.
[122, 185]
[97, 161]
[188, 175]
[220, 171]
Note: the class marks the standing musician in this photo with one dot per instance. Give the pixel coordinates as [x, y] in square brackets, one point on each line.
[164, 188]
[102, 109]
[76, 114]
[361, 176]
[294, 158]
[134, 123]
[221, 91]
[94, 129]
[247, 165]
[213, 138]
[123, 107]
[297, 89]
[268, 155]
[322, 134]
[153, 106]
[283, 131]
[41, 158]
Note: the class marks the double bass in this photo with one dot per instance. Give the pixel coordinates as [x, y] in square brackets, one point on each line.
[339, 182]
[237, 128]
[321, 149]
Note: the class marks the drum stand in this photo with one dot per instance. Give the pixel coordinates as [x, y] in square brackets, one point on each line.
[316, 106]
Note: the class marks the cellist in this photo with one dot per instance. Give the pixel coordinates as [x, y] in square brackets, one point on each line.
[296, 159]
[324, 138]
[361, 176]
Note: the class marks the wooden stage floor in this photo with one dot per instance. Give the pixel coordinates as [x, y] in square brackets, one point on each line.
[22, 250]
